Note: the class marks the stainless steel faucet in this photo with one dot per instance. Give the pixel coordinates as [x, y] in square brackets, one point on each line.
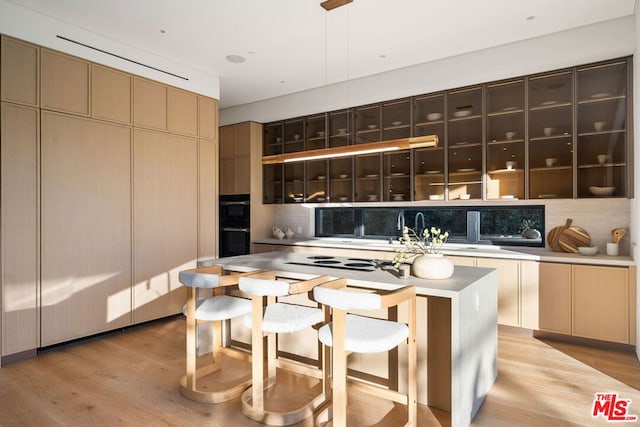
[415, 225]
[401, 220]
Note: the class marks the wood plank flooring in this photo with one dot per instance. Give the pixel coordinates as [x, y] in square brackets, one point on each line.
[130, 378]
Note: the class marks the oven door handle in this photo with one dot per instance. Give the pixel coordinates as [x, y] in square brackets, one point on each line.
[238, 229]
[233, 203]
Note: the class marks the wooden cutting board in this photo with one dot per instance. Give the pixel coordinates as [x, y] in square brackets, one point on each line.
[568, 238]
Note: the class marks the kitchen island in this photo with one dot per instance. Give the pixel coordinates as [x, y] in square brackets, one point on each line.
[457, 323]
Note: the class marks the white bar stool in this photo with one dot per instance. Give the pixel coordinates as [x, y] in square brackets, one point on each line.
[216, 309]
[359, 334]
[273, 318]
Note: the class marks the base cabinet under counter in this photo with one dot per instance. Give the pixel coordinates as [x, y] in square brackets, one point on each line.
[588, 301]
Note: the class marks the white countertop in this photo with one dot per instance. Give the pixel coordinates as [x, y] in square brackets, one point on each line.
[380, 278]
[480, 251]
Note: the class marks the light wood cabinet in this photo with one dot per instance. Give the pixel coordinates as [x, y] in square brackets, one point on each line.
[182, 112]
[235, 157]
[165, 218]
[207, 118]
[588, 301]
[110, 94]
[601, 303]
[64, 83]
[86, 227]
[149, 104]
[508, 288]
[207, 197]
[19, 138]
[19, 72]
[555, 297]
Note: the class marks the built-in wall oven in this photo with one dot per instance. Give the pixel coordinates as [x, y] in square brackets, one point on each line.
[234, 225]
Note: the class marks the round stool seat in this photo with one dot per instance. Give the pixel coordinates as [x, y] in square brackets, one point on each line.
[367, 334]
[220, 307]
[281, 318]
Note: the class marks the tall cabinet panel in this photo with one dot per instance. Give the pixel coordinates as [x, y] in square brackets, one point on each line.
[165, 218]
[19, 232]
[207, 197]
[65, 83]
[86, 227]
[19, 73]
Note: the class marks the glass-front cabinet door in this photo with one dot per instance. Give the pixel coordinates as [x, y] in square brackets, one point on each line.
[505, 138]
[316, 135]
[294, 182]
[367, 124]
[341, 179]
[272, 142]
[316, 183]
[550, 128]
[602, 130]
[340, 128]
[396, 119]
[397, 176]
[294, 135]
[464, 144]
[367, 178]
[272, 183]
[428, 163]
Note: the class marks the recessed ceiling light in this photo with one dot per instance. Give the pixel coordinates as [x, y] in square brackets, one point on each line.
[251, 52]
[530, 18]
[282, 81]
[163, 31]
[382, 55]
[236, 59]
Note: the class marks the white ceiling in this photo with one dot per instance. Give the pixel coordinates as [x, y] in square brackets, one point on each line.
[294, 45]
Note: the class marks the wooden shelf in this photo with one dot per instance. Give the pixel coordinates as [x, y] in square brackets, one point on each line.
[431, 123]
[462, 119]
[550, 169]
[505, 113]
[606, 98]
[550, 106]
[550, 137]
[602, 132]
[599, 166]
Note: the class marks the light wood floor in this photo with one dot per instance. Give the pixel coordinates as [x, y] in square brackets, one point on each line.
[131, 378]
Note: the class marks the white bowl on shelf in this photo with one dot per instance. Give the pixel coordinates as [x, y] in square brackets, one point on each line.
[462, 113]
[372, 127]
[465, 196]
[602, 191]
[434, 116]
[434, 197]
[588, 250]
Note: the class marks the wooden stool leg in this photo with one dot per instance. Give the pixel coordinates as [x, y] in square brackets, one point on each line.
[216, 339]
[339, 369]
[412, 398]
[191, 339]
[257, 350]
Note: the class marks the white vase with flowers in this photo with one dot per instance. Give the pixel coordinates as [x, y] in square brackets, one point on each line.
[426, 250]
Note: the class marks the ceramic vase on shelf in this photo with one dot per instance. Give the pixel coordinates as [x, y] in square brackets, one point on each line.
[432, 266]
